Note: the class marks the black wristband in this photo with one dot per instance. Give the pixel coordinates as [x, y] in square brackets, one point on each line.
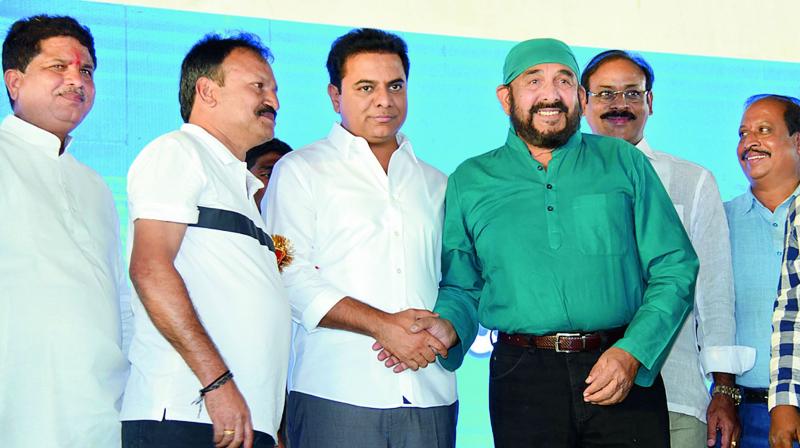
[216, 384]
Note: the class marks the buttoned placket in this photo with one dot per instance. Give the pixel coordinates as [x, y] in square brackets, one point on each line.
[548, 181]
[391, 184]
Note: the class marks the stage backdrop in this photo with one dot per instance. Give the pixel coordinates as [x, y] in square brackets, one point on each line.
[453, 112]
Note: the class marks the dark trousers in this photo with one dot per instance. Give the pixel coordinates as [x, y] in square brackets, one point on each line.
[177, 434]
[536, 400]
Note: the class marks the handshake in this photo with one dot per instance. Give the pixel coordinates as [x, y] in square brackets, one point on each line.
[412, 338]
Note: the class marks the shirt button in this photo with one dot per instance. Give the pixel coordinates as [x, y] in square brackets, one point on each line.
[540, 168]
[399, 271]
[549, 187]
[396, 233]
[780, 252]
[774, 224]
[549, 208]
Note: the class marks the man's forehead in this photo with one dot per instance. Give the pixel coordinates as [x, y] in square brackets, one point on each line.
[66, 44]
[545, 66]
[765, 108]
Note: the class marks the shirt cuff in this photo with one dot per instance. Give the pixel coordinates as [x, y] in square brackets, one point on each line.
[319, 307]
[784, 397]
[164, 212]
[735, 359]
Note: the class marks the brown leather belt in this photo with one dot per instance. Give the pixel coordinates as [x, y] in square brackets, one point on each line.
[565, 342]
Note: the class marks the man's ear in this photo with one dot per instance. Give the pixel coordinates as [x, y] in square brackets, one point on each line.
[796, 138]
[649, 99]
[13, 79]
[584, 99]
[504, 96]
[205, 91]
[335, 95]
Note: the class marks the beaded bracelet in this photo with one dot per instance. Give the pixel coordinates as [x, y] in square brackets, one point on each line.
[216, 384]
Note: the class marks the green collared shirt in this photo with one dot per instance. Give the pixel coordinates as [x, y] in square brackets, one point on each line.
[590, 243]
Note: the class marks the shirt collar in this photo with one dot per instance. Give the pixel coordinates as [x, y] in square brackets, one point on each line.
[645, 148]
[220, 151]
[344, 141]
[513, 141]
[752, 200]
[36, 137]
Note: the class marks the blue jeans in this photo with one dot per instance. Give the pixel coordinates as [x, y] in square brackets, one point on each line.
[177, 434]
[754, 418]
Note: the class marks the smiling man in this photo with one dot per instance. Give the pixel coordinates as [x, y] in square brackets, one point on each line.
[62, 367]
[618, 103]
[769, 154]
[364, 215]
[569, 246]
[211, 343]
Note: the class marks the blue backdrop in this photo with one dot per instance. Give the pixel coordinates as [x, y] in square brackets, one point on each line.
[453, 112]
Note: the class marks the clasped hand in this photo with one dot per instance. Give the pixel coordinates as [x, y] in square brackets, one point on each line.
[411, 339]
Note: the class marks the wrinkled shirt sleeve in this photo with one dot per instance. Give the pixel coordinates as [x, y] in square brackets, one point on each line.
[714, 299]
[461, 285]
[288, 210]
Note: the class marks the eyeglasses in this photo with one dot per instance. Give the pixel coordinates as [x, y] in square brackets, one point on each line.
[609, 96]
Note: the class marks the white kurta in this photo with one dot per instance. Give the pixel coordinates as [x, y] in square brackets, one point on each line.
[62, 368]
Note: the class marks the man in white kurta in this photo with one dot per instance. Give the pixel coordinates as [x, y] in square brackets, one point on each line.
[619, 101]
[62, 368]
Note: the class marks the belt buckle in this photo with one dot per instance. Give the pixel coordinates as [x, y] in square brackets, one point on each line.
[567, 335]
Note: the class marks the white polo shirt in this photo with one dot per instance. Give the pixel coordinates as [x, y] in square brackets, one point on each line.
[360, 232]
[231, 274]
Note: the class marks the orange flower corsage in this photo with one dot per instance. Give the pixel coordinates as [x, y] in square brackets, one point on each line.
[283, 251]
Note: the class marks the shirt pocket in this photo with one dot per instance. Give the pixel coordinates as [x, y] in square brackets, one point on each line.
[602, 224]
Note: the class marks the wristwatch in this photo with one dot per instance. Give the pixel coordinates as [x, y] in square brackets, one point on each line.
[731, 392]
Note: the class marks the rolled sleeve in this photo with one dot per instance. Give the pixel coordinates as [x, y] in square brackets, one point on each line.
[734, 359]
[289, 211]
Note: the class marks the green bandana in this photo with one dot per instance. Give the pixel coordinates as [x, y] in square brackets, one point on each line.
[537, 51]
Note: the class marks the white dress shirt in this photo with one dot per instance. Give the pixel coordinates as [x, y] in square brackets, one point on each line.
[231, 275]
[62, 367]
[358, 232]
[706, 343]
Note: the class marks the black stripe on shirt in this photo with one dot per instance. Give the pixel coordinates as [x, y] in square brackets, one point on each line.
[228, 221]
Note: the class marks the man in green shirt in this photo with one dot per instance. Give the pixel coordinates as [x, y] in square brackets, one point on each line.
[568, 245]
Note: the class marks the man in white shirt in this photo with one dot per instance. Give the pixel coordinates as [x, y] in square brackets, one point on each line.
[62, 366]
[618, 103]
[364, 217]
[210, 311]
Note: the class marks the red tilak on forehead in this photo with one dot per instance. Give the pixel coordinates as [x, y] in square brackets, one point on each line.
[77, 58]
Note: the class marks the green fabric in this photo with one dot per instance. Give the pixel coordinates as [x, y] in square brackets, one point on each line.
[611, 252]
[538, 51]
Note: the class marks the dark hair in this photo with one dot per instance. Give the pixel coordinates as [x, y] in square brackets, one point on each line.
[24, 39]
[205, 60]
[611, 55]
[273, 145]
[363, 40]
[791, 115]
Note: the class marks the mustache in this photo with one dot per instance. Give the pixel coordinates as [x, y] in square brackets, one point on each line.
[618, 114]
[747, 152]
[558, 104]
[267, 109]
[73, 90]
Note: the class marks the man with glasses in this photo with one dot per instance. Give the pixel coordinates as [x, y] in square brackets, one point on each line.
[618, 103]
